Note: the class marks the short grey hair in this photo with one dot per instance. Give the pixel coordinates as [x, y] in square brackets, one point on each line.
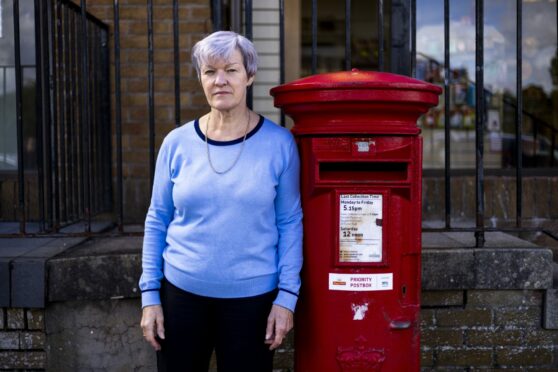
[221, 45]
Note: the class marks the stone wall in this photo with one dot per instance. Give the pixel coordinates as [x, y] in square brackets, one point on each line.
[476, 330]
[105, 336]
[97, 336]
[486, 329]
[483, 309]
[22, 339]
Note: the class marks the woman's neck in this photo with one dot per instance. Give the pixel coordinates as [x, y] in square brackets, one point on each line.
[228, 125]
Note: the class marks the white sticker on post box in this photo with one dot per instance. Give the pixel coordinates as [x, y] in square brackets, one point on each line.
[360, 282]
[360, 228]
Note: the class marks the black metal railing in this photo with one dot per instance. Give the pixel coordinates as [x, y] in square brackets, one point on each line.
[72, 180]
[480, 110]
[480, 99]
[539, 125]
[74, 174]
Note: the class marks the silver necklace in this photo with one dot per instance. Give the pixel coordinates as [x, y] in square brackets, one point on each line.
[239, 152]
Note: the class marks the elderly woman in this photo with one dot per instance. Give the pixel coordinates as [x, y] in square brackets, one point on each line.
[223, 235]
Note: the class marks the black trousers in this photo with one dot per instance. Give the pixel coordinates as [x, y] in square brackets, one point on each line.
[197, 325]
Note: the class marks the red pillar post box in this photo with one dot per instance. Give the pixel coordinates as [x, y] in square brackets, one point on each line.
[361, 164]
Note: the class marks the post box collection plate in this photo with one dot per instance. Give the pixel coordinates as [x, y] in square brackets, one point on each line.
[360, 228]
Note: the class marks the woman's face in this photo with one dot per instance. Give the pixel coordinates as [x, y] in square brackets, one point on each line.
[224, 82]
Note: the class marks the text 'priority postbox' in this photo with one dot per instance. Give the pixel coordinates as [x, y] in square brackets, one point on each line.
[361, 174]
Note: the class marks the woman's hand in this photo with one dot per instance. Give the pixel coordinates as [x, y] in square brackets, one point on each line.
[279, 323]
[152, 325]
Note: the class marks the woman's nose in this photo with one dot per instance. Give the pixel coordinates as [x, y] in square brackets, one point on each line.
[220, 78]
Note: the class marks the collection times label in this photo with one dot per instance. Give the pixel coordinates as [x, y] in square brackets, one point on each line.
[360, 228]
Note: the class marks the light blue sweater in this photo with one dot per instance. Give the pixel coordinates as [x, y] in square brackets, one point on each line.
[231, 235]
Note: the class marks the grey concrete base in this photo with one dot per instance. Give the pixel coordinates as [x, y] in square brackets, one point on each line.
[91, 336]
[93, 310]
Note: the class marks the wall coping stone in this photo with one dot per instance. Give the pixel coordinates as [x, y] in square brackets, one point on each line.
[23, 263]
[506, 262]
[104, 268]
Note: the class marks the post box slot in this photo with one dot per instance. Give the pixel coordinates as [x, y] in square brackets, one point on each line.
[363, 171]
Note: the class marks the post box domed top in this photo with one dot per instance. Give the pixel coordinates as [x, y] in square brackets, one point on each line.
[356, 102]
[355, 79]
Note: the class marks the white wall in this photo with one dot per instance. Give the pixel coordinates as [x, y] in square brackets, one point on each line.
[265, 17]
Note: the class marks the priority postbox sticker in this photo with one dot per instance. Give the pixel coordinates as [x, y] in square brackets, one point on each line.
[360, 228]
[360, 282]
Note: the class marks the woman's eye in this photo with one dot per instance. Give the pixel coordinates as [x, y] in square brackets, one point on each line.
[209, 72]
[231, 70]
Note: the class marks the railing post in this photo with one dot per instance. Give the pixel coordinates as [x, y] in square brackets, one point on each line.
[151, 93]
[175, 28]
[519, 114]
[19, 120]
[216, 17]
[381, 42]
[118, 119]
[282, 51]
[447, 134]
[248, 30]
[348, 35]
[84, 120]
[64, 102]
[479, 118]
[413, 22]
[40, 52]
[314, 36]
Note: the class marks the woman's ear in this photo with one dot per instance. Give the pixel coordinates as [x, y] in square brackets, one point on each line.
[250, 81]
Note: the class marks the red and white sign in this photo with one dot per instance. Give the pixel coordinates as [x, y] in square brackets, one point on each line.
[360, 282]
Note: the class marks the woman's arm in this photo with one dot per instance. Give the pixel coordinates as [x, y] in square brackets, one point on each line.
[158, 217]
[289, 225]
[289, 249]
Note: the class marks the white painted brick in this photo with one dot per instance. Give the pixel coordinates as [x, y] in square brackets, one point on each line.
[265, 4]
[264, 105]
[262, 90]
[267, 46]
[267, 76]
[266, 17]
[265, 32]
[269, 61]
